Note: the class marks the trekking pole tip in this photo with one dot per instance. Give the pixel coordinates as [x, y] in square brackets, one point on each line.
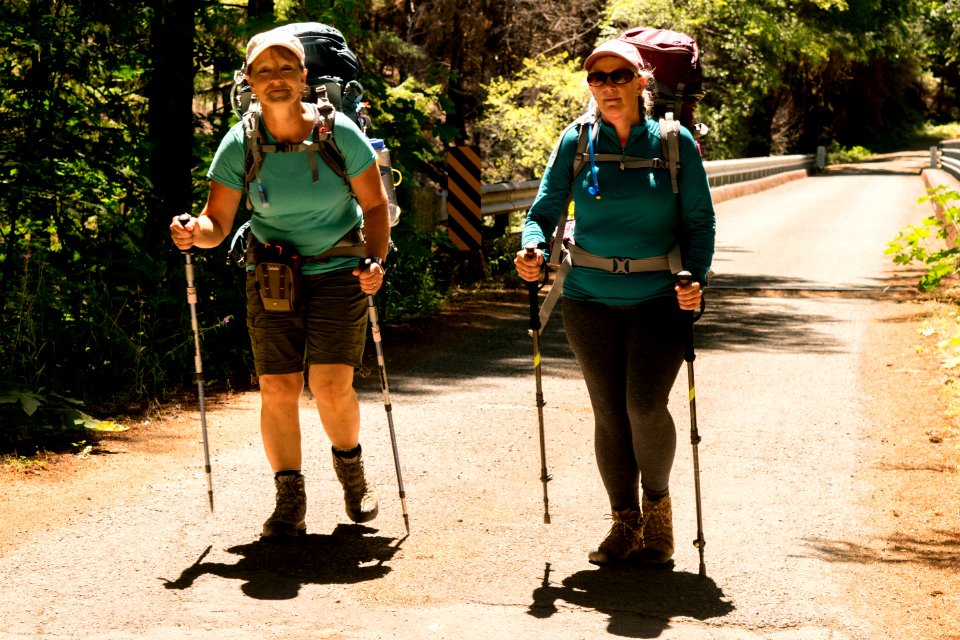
[406, 522]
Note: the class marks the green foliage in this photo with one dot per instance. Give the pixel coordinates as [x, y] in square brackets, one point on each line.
[933, 242]
[837, 154]
[525, 113]
[502, 253]
[948, 131]
[94, 304]
[42, 418]
[412, 287]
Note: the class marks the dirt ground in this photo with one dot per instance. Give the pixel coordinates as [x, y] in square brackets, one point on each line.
[908, 551]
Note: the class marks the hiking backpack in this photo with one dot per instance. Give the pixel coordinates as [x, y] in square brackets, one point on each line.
[332, 87]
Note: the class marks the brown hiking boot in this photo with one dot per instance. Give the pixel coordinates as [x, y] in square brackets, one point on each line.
[622, 539]
[288, 518]
[358, 495]
[657, 543]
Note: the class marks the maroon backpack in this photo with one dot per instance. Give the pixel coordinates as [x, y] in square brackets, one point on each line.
[675, 60]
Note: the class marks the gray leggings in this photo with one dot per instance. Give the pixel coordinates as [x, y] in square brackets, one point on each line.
[630, 357]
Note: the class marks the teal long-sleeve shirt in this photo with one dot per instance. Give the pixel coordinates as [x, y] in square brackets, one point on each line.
[636, 216]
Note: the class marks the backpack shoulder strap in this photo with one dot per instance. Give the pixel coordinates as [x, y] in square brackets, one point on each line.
[324, 114]
[253, 151]
[583, 140]
[670, 144]
[556, 245]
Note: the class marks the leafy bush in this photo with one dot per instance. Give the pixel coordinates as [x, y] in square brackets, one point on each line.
[837, 154]
[45, 420]
[914, 243]
[524, 115]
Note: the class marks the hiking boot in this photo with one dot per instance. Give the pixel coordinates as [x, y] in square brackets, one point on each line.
[622, 539]
[288, 518]
[657, 542]
[358, 495]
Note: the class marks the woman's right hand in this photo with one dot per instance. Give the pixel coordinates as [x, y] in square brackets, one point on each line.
[528, 264]
[181, 231]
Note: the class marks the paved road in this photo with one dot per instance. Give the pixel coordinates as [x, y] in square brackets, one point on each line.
[780, 411]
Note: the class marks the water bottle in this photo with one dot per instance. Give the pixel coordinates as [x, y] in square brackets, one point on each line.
[386, 175]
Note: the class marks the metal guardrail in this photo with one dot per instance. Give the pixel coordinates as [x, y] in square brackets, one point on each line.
[950, 157]
[505, 197]
[721, 172]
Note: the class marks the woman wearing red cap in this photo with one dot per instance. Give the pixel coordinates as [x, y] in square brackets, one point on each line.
[624, 327]
[311, 211]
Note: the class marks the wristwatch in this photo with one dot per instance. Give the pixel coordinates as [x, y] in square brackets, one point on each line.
[375, 260]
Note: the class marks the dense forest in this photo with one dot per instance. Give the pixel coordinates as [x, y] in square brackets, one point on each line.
[112, 112]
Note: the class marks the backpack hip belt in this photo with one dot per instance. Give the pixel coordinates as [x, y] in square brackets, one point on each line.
[351, 245]
[574, 256]
[668, 262]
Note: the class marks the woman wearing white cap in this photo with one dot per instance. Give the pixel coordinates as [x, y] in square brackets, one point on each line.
[624, 328]
[326, 334]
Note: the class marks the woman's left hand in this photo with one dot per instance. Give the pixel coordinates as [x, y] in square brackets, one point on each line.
[689, 297]
[371, 277]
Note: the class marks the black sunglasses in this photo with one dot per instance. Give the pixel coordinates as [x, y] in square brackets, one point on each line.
[619, 76]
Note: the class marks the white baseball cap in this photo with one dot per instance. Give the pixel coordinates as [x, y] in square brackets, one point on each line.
[278, 37]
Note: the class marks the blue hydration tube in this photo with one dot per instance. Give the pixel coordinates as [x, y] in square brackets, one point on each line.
[593, 190]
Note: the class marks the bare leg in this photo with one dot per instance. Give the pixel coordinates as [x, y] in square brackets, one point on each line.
[280, 419]
[332, 388]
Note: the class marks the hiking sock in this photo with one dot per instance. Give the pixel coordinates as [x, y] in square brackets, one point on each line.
[347, 454]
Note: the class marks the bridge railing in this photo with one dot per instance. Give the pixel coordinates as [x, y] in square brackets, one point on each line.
[949, 157]
[505, 197]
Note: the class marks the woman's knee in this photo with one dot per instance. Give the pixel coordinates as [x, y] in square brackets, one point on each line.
[330, 384]
[281, 387]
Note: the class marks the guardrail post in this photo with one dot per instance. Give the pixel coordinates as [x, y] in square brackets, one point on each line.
[821, 158]
[442, 205]
[934, 152]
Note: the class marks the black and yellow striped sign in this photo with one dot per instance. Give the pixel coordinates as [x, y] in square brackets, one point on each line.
[463, 198]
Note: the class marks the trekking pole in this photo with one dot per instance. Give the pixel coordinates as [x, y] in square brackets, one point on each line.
[534, 332]
[198, 365]
[375, 330]
[684, 278]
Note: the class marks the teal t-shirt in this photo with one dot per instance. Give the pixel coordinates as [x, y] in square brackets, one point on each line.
[313, 217]
[636, 216]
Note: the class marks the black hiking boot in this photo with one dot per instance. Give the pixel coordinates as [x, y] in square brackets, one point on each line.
[289, 516]
[359, 496]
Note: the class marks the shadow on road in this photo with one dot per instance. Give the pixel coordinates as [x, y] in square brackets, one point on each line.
[639, 601]
[938, 549]
[739, 324]
[277, 570]
[481, 334]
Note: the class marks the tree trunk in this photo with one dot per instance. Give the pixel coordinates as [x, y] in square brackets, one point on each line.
[170, 112]
[257, 8]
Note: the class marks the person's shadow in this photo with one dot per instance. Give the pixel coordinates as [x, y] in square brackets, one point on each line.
[639, 601]
[275, 570]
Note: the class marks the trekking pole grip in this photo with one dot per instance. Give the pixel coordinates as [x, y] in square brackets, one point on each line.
[532, 291]
[183, 219]
[684, 280]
